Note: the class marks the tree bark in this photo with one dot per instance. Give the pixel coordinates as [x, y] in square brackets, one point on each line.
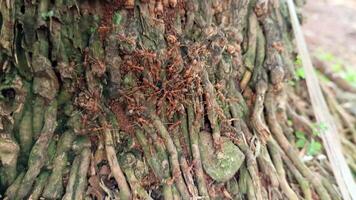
[164, 99]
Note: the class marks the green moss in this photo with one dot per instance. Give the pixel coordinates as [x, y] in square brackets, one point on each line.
[221, 165]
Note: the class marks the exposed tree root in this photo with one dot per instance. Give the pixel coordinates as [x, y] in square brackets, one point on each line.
[173, 155]
[116, 171]
[278, 163]
[195, 118]
[339, 81]
[289, 149]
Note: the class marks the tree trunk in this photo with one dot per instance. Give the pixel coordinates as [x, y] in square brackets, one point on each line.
[165, 99]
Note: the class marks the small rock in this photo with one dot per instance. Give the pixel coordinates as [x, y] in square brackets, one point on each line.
[222, 165]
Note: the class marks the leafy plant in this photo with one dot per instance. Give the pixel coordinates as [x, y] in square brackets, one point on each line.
[350, 76]
[300, 73]
[92, 30]
[301, 139]
[47, 15]
[319, 128]
[298, 61]
[314, 148]
[346, 73]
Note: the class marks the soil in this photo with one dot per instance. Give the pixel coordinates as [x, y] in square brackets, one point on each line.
[330, 27]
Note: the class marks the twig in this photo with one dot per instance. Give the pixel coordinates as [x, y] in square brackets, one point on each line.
[41, 181]
[72, 178]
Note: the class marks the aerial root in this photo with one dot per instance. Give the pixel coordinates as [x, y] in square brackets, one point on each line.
[185, 168]
[173, 154]
[38, 157]
[116, 171]
[257, 116]
[289, 149]
[211, 106]
[194, 117]
[54, 188]
[154, 164]
[40, 184]
[242, 132]
[338, 110]
[303, 182]
[278, 163]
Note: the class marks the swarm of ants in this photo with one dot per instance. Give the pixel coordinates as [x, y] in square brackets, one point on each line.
[164, 81]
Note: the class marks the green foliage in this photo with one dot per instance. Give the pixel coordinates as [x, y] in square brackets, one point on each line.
[301, 139]
[117, 18]
[300, 143]
[346, 73]
[300, 73]
[298, 61]
[92, 30]
[47, 15]
[350, 76]
[314, 148]
[290, 122]
[326, 56]
[319, 128]
[337, 67]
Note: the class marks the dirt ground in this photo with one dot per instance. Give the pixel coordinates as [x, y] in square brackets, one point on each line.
[330, 27]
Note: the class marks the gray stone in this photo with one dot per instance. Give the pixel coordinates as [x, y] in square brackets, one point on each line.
[223, 164]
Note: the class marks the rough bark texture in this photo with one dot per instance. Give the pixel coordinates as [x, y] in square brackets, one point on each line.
[164, 99]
